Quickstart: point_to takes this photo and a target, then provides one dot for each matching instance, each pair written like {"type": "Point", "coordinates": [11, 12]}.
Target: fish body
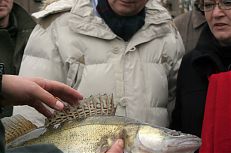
{"type": "Point", "coordinates": [96, 133]}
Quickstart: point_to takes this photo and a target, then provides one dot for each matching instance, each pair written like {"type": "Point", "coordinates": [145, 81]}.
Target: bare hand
{"type": "Point", "coordinates": [117, 147]}
{"type": "Point", "coordinates": [35, 92]}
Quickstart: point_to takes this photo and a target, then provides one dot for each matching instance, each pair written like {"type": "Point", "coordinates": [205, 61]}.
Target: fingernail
{"type": "Point", "coordinates": [81, 97]}
{"type": "Point", "coordinates": [59, 105]}
{"type": "Point", "coordinates": [120, 142]}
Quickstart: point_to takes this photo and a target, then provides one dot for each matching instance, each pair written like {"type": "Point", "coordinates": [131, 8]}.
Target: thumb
{"type": "Point", "coordinates": [117, 147]}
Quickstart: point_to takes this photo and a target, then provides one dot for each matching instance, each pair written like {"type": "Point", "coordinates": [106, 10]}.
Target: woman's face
{"type": "Point", "coordinates": [219, 21]}
{"type": "Point", "coordinates": [127, 7]}
{"type": "Point", "coordinates": [5, 8]}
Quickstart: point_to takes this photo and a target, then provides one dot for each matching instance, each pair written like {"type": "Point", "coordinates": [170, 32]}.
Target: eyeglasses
{"type": "Point", "coordinates": [209, 6]}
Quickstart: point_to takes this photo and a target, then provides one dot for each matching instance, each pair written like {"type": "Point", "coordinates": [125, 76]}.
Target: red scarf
{"type": "Point", "coordinates": [216, 130]}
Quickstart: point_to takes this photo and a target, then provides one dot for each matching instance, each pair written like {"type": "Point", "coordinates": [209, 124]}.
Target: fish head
{"type": "Point", "coordinates": [161, 140]}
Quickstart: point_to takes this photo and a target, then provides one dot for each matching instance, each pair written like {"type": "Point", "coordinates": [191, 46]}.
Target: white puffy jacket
{"type": "Point", "coordinates": [77, 48]}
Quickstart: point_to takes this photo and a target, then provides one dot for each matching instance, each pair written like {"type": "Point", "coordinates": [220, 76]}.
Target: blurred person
{"type": "Point", "coordinates": [128, 48]}
{"type": "Point", "coordinates": [190, 26]}
{"type": "Point", "coordinates": [15, 28]}
{"type": "Point", "coordinates": [211, 56]}
{"type": "Point", "coordinates": [16, 90]}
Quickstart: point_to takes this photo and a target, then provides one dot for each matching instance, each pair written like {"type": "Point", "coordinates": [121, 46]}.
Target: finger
{"type": "Point", "coordinates": [117, 147]}
{"type": "Point", "coordinates": [61, 90]}
{"type": "Point", "coordinates": [38, 105]}
{"type": "Point", "coordinates": [43, 96]}
{"type": "Point", "coordinates": [64, 92]}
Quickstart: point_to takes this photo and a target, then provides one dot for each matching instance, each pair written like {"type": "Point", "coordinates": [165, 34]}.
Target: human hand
{"type": "Point", "coordinates": [35, 92]}
{"type": "Point", "coordinates": [117, 147]}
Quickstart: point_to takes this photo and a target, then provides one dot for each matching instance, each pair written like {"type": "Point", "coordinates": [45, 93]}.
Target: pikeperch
{"type": "Point", "coordinates": [95, 134]}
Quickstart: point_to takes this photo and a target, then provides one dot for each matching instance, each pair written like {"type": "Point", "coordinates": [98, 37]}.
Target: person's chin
{"type": "Point", "coordinates": [2, 15]}
{"type": "Point", "coordinates": [224, 39]}
{"type": "Point", "coordinates": [126, 12]}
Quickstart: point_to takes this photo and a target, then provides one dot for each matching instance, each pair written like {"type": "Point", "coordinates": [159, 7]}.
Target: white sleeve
{"type": "Point", "coordinates": [179, 52]}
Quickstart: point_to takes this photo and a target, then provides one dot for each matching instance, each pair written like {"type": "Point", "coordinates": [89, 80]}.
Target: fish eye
{"type": "Point", "coordinates": [174, 133]}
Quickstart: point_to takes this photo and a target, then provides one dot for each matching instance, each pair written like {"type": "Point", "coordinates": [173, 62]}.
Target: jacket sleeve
{"type": "Point", "coordinates": [41, 59]}
{"type": "Point", "coordinates": [176, 61]}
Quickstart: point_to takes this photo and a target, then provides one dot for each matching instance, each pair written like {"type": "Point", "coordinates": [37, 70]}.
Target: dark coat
{"type": "Point", "coordinates": [192, 83]}
{"type": "Point", "coordinates": [12, 46]}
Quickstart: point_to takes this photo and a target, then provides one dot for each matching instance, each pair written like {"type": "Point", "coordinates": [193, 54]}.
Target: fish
{"type": "Point", "coordinates": [95, 132]}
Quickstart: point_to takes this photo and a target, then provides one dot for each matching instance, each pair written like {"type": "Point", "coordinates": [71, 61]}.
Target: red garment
{"type": "Point", "coordinates": [216, 129]}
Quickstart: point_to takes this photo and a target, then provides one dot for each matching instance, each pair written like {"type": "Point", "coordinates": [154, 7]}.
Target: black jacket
{"type": "Point", "coordinates": [206, 59]}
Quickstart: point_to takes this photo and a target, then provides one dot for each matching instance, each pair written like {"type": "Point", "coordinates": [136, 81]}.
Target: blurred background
{"type": "Point", "coordinates": [30, 5]}
{"type": "Point", "coordinates": [175, 7]}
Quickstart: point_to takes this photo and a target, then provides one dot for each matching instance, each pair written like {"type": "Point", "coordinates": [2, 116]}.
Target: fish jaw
{"type": "Point", "coordinates": [154, 140]}
{"type": "Point", "coordinates": [185, 143]}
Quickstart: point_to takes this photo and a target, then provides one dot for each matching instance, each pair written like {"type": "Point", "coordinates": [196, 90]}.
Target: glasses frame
{"type": "Point", "coordinates": [220, 5]}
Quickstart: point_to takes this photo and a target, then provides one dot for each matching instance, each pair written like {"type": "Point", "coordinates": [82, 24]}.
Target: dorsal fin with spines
{"type": "Point", "coordinates": [100, 105]}
{"type": "Point", "coordinates": [16, 126]}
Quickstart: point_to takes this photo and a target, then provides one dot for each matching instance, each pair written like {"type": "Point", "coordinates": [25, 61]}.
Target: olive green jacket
{"type": "Point", "coordinates": [11, 50]}
{"type": "Point", "coordinates": [10, 54]}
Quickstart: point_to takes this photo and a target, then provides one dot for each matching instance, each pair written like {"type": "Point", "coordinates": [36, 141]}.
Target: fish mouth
{"type": "Point", "coordinates": [183, 144]}
{"type": "Point", "coordinates": [187, 143]}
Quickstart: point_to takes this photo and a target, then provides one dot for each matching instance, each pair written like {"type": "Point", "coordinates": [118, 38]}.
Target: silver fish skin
{"type": "Point", "coordinates": [97, 134]}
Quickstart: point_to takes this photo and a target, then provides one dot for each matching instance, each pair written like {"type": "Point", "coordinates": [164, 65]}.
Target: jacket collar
{"type": "Point", "coordinates": [25, 25]}
{"type": "Point", "coordinates": [13, 25]}
{"type": "Point", "coordinates": [206, 59]}
{"type": "Point", "coordinates": [198, 19]}
{"type": "Point", "coordinates": [84, 20]}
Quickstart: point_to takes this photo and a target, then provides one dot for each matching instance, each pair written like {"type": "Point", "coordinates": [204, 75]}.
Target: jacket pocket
{"type": "Point", "coordinates": [75, 70]}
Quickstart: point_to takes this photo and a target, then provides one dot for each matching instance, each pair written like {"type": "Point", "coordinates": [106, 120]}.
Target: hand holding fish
{"type": "Point", "coordinates": [117, 147]}
{"type": "Point", "coordinates": [35, 92]}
